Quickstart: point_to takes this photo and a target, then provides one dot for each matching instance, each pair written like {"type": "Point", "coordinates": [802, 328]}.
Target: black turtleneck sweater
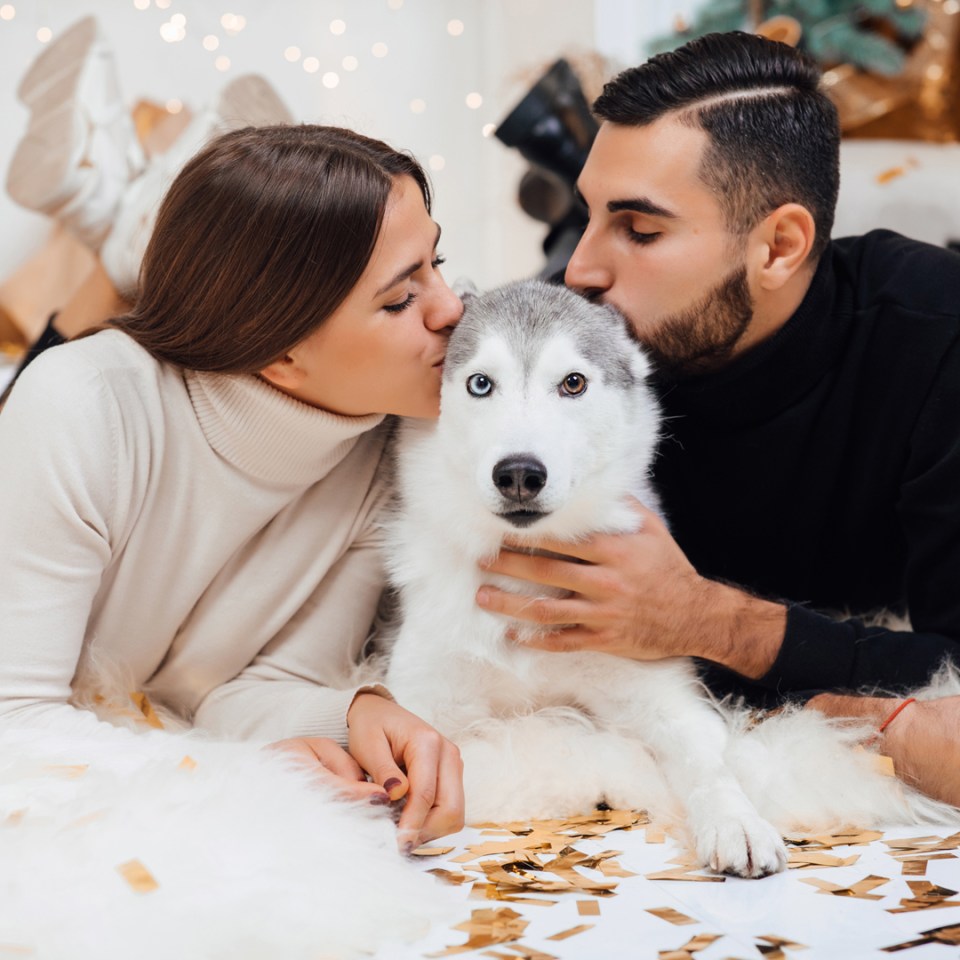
{"type": "Point", "coordinates": [822, 468]}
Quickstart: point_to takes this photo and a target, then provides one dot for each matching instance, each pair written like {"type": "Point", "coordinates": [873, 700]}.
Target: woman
{"type": "Point", "coordinates": [190, 494]}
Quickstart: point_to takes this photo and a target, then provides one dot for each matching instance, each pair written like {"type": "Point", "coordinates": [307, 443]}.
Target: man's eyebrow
{"type": "Point", "coordinates": [640, 205]}
{"type": "Point", "coordinates": [406, 271]}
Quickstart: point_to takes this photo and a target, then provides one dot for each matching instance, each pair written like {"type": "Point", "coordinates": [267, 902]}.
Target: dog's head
{"type": "Point", "coordinates": [546, 419]}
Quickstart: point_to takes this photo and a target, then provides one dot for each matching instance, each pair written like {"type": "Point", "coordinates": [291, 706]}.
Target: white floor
{"type": "Point", "coordinates": [829, 927]}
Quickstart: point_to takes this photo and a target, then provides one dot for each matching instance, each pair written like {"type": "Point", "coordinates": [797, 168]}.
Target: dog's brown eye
{"type": "Point", "coordinates": [573, 385]}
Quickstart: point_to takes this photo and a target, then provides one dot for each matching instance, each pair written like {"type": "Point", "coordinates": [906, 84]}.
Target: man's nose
{"type": "Point", "coordinates": [586, 271]}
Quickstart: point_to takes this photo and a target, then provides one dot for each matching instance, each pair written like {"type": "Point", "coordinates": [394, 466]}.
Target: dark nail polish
{"type": "Point", "coordinates": [391, 783]}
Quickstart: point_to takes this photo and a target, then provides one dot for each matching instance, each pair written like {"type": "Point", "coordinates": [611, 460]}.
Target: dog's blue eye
{"type": "Point", "coordinates": [479, 385]}
{"type": "Point", "coordinates": [573, 384]}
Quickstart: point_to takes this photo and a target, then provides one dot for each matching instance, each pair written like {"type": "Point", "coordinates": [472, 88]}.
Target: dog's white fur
{"type": "Point", "coordinates": [546, 734]}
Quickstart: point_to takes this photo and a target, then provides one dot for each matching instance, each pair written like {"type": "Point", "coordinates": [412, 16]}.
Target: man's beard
{"type": "Point", "coordinates": [702, 337]}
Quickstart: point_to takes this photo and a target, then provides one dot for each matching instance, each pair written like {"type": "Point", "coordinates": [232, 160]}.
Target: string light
{"type": "Point", "coordinates": [311, 64]}
{"type": "Point", "coordinates": [44, 34]}
{"type": "Point", "coordinates": [291, 54]}
{"type": "Point", "coordinates": [418, 105]}
{"type": "Point", "coordinates": [394, 4]}
{"type": "Point", "coordinates": [350, 63]}
{"type": "Point", "coordinates": [330, 80]}
{"type": "Point", "coordinates": [488, 128]}
{"type": "Point", "coordinates": [222, 63]}
{"type": "Point", "coordinates": [210, 42]}
{"type": "Point", "coordinates": [233, 23]}
{"type": "Point", "coordinates": [379, 50]}
{"type": "Point", "coordinates": [337, 27]}
{"type": "Point", "coordinates": [178, 20]}
{"type": "Point", "coordinates": [141, 4]}
{"type": "Point", "coordinates": [7, 11]}
{"type": "Point", "coordinates": [455, 28]}
{"type": "Point", "coordinates": [171, 32]}
{"type": "Point", "coordinates": [437, 162]}
{"type": "Point", "coordinates": [163, 4]}
{"type": "Point", "coordinates": [951, 7]}
{"type": "Point", "coordinates": [474, 101]}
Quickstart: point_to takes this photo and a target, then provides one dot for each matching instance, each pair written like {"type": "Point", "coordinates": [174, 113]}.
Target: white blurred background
{"type": "Point", "coordinates": [432, 76]}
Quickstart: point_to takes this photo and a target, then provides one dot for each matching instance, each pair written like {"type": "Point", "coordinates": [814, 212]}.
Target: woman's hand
{"type": "Point", "coordinates": [332, 764]}
{"type": "Point", "coordinates": [387, 740]}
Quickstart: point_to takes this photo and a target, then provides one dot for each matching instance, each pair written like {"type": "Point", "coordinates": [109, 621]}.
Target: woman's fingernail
{"type": "Point", "coordinates": [391, 784]}
{"type": "Point", "coordinates": [483, 595]}
{"type": "Point", "coordinates": [380, 800]}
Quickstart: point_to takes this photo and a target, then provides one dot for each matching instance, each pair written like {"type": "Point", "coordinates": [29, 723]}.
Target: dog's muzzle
{"type": "Point", "coordinates": [520, 479]}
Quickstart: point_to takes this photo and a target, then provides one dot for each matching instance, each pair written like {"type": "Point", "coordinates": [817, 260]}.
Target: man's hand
{"type": "Point", "coordinates": [387, 740]}
{"type": "Point", "coordinates": [923, 740]}
{"type": "Point", "coordinates": [637, 595]}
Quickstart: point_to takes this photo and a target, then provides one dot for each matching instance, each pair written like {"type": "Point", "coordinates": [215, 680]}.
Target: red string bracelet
{"type": "Point", "coordinates": [886, 723]}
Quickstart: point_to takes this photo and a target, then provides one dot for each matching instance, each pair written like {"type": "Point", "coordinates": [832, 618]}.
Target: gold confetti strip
{"type": "Point", "coordinates": [804, 859]}
{"type": "Point", "coordinates": [490, 891]}
{"type": "Point", "coordinates": [138, 876]}
{"type": "Point", "coordinates": [521, 952]}
{"type": "Point", "coordinates": [948, 934]}
{"type": "Point", "coordinates": [859, 890]}
{"type": "Point", "coordinates": [588, 908]}
{"type": "Point", "coordinates": [486, 928]}
{"type": "Point", "coordinates": [826, 841]}
{"type": "Point", "coordinates": [143, 704]}
{"type": "Point", "coordinates": [780, 942]}
{"type": "Point", "coordinates": [924, 844]}
{"type": "Point", "coordinates": [15, 817]}
{"type": "Point", "coordinates": [681, 873]}
{"type": "Point", "coordinates": [69, 771]}
{"type": "Point", "coordinates": [187, 763]}
{"type": "Point", "coordinates": [86, 819]}
{"type": "Point", "coordinates": [654, 834]}
{"type": "Point", "coordinates": [914, 868]}
{"type": "Point", "coordinates": [697, 943]}
{"type": "Point", "coordinates": [449, 876]}
{"type": "Point", "coordinates": [16, 948]}
{"type": "Point", "coordinates": [572, 932]}
{"type": "Point", "coordinates": [430, 851]}
{"type": "Point", "coordinates": [926, 896]}
{"type": "Point", "coordinates": [671, 915]}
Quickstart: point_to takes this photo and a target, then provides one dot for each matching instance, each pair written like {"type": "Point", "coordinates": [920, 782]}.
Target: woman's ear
{"type": "Point", "coordinates": [785, 240]}
{"type": "Point", "coordinates": [285, 373]}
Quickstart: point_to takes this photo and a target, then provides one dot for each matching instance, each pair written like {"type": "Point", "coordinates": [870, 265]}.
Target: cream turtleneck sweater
{"type": "Point", "coordinates": [206, 535]}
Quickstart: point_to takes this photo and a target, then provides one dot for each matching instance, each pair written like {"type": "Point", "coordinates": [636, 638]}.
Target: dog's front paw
{"type": "Point", "coordinates": [745, 846]}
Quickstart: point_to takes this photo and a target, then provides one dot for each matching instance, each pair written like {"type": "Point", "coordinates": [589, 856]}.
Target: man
{"type": "Point", "coordinates": [811, 393]}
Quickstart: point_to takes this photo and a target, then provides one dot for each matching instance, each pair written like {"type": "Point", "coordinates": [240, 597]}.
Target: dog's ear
{"type": "Point", "coordinates": [465, 288]}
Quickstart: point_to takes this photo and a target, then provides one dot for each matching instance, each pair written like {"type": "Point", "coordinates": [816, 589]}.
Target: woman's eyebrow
{"type": "Point", "coordinates": [406, 271]}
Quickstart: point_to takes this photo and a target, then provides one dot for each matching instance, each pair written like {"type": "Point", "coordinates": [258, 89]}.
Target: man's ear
{"type": "Point", "coordinates": [783, 243]}
{"type": "Point", "coordinates": [285, 373]}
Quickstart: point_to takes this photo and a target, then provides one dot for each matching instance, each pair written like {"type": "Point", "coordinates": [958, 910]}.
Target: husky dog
{"type": "Point", "coordinates": [546, 425]}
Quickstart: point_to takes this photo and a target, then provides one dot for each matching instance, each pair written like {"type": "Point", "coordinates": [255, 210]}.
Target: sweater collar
{"type": "Point", "coordinates": [774, 374]}
{"type": "Point", "coordinates": [267, 433]}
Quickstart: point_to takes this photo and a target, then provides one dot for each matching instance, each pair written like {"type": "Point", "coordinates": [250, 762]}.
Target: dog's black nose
{"type": "Point", "coordinates": [520, 478]}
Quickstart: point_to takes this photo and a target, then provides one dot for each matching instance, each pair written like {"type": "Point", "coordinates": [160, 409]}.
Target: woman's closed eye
{"type": "Point", "coordinates": [411, 297]}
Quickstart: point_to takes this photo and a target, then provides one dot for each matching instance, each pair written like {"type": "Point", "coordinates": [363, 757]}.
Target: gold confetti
{"type": "Point", "coordinates": [926, 896]}
{"type": "Point", "coordinates": [67, 770]}
{"type": "Point", "coordinates": [430, 851]}
{"type": "Point", "coordinates": [572, 932]}
{"type": "Point", "coordinates": [803, 859]}
{"type": "Point", "coordinates": [914, 868]}
{"type": "Point", "coordinates": [697, 943]}
{"type": "Point", "coordinates": [588, 908]}
{"type": "Point", "coordinates": [138, 876]}
{"type": "Point", "coordinates": [187, 763]}
{"type": "Point", "coordinates": [143, 704]}
{"type": "Point", "coordinates": [449, 876]}
{"type": "Point", "coordinates": [654, 834]}
{"type": "Point", "coordinates": [775, 941]}
{"type": "Point", "coordinates": [826, 841]}
{"type": "Point", "coordinates": [948, 934]}
{"type": "Point", "coordinates": [671, 915]}
{"type": "Point", "coordinates": [859, 890]}
{"type": "Point", "coordinates": [15, 817]}
{"type": "Point", "coordinates": [16, 948]}
{"type": "Point", "coordinates": [485, 928]}
{"type": "Point", "coordinates": [682, 873]}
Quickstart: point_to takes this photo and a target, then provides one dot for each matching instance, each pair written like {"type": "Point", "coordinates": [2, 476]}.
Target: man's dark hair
{"type": "Point", "coordinates": [774, 134]}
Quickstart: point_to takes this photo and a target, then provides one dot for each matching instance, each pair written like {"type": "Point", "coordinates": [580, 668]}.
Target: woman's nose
{"type": "Point", "coordinates": [446, 310]}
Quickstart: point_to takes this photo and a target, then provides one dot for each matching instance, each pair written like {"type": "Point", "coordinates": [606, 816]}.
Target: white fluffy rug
{"type": "Point", "coordinates": [251, 859]}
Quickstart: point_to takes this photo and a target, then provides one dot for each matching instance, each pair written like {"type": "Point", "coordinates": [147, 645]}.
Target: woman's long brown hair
{"type": "Point", "coordinates": [259, 239]}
